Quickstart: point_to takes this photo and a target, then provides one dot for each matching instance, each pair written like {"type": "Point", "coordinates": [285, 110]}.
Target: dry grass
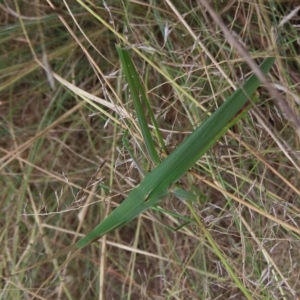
{"type": "Point", "coordinates": [53, 142]}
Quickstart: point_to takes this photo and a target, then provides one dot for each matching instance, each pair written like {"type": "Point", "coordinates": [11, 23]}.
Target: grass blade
{"type": "Point", "coordinates": [218, 252]}
{"type": "Point", "coordinates": [138, 97]}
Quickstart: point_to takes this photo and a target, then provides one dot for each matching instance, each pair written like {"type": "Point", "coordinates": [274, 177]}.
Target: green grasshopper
{"type": "Point", "coordinates": [155, 185]}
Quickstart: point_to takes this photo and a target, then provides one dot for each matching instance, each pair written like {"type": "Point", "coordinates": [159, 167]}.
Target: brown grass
{"type": "Point", "coordinates": [52, 144]}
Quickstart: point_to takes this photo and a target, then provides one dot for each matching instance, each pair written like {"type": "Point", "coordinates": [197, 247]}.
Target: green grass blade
{"type": "Point", "coordinates": [133, 74]}
{"type": "Point", "coordinates": [173, 214]}
{"type": "Point", "coordinates": [156, 183]}
{"type": "Point", "coordinates": [219, 253]}
{"type": "Point", "coordinates": [184, 195]}
{"type": "Point", "coordinates": [138, 97]}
